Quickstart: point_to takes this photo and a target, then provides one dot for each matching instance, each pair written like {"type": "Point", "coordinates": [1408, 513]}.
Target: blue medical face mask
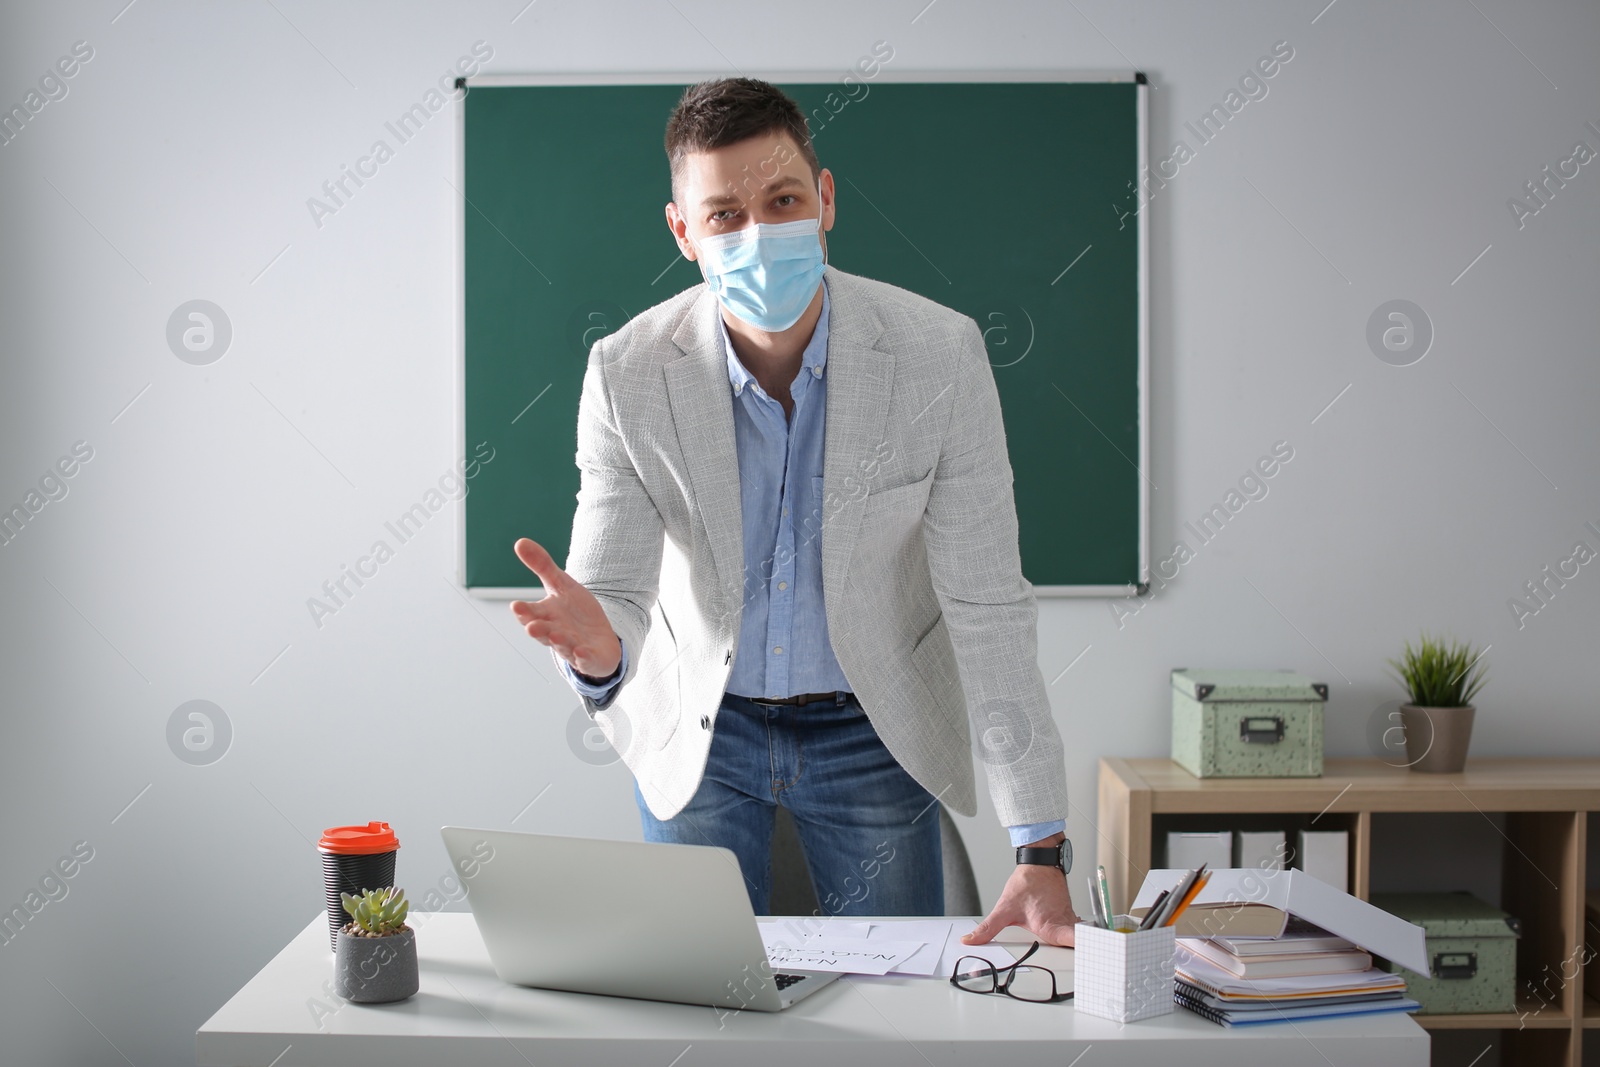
{"type": "Point", "coordinates": [766, 274]}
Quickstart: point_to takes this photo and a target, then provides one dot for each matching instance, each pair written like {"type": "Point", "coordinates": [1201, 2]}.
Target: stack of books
{"type": "Point", "coordinates": [1304, 973]}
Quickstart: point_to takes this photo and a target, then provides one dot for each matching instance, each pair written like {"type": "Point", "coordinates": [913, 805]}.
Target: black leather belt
{"type": "Point", "coordinates": [836, 695]}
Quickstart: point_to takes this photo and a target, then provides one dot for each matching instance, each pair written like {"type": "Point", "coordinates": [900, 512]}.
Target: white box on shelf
{"type": "Point", "coordinates": [1123, 977]}
{"type": "Point", "coordinates": [1262, 849]}
{"type": "Point", "coordinates": [1214, 848]}
{"type": "Point", "coordinates": [1325, 856]}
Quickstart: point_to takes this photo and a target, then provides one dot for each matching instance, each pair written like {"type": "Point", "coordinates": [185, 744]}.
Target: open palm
{"type": "Point", "coordinates": [568, 619]}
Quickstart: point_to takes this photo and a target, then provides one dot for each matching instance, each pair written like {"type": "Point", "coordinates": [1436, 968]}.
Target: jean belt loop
{"type": "Point", "coordinates": [839, 697]}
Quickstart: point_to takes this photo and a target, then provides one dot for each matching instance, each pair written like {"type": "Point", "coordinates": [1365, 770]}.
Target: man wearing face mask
{"type": "Point", "coordinates": [794, 576]}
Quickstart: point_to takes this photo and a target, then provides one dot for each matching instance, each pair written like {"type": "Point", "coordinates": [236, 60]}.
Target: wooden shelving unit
{"type": "Point", "coordinates": [1546, 804]}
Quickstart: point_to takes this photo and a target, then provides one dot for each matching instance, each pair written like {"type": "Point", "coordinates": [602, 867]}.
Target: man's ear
{"type": "Point", "coordinates": [828, 205]}
{"type": "Point", "coordinates": [679, 228]}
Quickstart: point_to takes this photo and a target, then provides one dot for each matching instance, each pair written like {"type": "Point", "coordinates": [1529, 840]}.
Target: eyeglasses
{"type": "Point", "coordinates": [1036, 984]}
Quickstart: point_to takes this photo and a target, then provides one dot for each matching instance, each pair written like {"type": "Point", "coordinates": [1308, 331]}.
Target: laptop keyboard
{"type": "Point", "coordinates": [787, 980]}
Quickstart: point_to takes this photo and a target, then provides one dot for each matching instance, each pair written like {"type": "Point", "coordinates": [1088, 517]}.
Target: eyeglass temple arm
{"type": "Point", "coordinates": [1031, 950]}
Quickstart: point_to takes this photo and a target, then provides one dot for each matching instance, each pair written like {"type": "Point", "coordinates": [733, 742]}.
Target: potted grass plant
{"type": "Point", "coordinates": [375, 961]}
{"type": "Point", "coordinates": [1440, 681]}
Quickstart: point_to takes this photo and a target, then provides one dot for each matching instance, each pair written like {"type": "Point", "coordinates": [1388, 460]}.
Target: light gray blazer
{"type": "Point", "coordinates": [928, 613]}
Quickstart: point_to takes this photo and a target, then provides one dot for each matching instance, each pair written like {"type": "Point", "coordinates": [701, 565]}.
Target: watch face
{"type": "Point", "coordinates": [1066, 856]}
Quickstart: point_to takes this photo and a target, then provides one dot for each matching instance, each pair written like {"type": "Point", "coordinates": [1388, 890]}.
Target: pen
{"type": "Point", "coordinates": [1178, 893]}
{"type": "Point", "coordinates": [1149, 919]}
{"type": "Point", "coordinates": [1094, 903]}
{"type": "Point", "coordinates": [1194, 891]}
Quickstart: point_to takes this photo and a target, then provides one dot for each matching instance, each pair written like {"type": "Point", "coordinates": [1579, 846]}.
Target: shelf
{"type": "Point", "coordinates": [1488, 784]}
{"type": "Point", "coordinates": [1547, 811]}
{"type": "Point", "coordinates": [1528, 1016]}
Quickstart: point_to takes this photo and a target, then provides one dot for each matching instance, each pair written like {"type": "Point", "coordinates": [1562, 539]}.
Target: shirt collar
{"type": "Point", "coordinates": [813, 359]}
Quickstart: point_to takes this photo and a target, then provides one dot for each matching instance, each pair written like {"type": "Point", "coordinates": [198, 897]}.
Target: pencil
{"type": "Point", "coordinates": [1179, 893]}
{"type": "Point", "coordinates": [1194, 891]}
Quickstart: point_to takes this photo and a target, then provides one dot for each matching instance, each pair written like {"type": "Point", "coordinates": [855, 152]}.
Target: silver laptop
{"type": "Point", "coordinates": [624, 918]}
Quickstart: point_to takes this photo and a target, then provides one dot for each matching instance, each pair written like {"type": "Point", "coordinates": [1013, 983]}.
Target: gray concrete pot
{"type": "Point", "coordinates": [375, 970]}
{"type": "Point", "coordinates": [1437, 738]}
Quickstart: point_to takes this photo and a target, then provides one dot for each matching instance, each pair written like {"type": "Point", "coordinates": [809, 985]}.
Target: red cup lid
{"type": "Point", "coordinates": [358, 840]}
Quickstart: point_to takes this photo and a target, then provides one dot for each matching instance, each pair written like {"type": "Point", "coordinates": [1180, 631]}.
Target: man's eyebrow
{"type": "Point", "coordinates": [786, 182]}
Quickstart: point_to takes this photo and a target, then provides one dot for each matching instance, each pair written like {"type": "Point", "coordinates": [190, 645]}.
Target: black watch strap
{"type": "Point", "coordinates": [1059, 856]}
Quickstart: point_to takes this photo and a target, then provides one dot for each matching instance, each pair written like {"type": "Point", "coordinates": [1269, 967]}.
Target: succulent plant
{"type": "Point", "coordinates": [376, 913]}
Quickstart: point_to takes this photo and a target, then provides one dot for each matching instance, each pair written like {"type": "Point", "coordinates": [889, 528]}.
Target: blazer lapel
{"type": "Point", "coordinates": [860, 378]}
{"type": "Point", "coordinates": [702, 415]}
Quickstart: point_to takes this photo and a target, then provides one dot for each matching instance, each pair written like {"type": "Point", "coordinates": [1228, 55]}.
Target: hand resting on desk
{"type": "Point", "coordinates": [1036, 899]}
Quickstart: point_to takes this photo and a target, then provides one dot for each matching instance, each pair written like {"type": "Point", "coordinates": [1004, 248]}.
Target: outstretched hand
{"type": "Point", "coordinates": [568, 619]}
{"type": "Point", "coordinates": [1035, 898]}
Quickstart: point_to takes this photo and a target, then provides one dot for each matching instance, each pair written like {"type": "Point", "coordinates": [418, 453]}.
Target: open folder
{"type": "Point", "coordinates": [1237, 898]}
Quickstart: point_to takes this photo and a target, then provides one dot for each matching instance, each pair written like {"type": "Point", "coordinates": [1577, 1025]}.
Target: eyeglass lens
{"type": "Point", "coordinates": [1031, 983]}
{"type": "Point", "coordinates": [1023, 982]}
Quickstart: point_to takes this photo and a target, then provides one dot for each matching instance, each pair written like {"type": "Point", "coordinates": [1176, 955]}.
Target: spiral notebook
{"type": "Point", "coordinates": [1232, 1018]}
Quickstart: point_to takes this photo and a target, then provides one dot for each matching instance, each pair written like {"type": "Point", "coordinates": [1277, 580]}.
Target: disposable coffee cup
{"type": "Point", "coordinates": [354, 860]}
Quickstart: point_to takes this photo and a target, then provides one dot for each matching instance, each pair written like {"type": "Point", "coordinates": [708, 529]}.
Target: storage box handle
{"type": "Point", "coordinates": [1455, 964]}
{"type": "Point", "coordinates": [1261, 730]}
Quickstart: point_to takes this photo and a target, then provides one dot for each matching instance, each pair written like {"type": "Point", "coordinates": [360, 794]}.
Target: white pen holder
{"type": "Point", "coordinates": [1123, 977]}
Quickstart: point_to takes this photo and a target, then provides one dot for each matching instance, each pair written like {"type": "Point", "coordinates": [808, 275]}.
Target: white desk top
{"type": "Point", "coordinates": [288, 1016]}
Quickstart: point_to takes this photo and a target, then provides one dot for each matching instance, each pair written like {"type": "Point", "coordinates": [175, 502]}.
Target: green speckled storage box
{"type": "Point", "coordinates": [1472, 951]}
{"type": "Point", "coordinates": [1247, 724]}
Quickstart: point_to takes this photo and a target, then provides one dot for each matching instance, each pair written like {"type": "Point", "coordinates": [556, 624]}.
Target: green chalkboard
{"type": "Point", "coordinates": [1012, 201]}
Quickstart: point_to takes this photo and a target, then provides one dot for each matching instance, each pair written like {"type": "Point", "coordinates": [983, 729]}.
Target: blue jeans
{"type": "Point", "coordinates": [870, 831]}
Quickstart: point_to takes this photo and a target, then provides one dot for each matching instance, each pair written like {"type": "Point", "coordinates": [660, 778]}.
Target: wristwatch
{"type": "Point", "coordinates": [1058, 856]}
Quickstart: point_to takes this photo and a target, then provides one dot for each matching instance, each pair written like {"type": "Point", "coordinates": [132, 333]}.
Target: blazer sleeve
{"type": "Point", "coordinates": [970, 529]}
{"type": "Point", "coordinates": [617, 532]}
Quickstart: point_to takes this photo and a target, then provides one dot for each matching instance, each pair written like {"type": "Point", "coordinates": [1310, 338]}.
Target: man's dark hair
{"type": "Point", "coordinates": [726, 111]}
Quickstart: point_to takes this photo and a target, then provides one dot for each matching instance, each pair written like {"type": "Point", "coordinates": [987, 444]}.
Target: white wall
{"type": "Point", "coordinates": [220, 497]}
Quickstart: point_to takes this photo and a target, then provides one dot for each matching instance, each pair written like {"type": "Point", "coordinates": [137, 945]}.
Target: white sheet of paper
{"type": "Point", "coordinates": [954, 949]}
{"type": "Point", "coordinates": [845, 955]}
{"type": "Point", "coordinates": [933, 934]}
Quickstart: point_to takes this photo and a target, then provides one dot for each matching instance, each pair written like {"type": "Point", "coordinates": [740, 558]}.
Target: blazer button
{"type": "Point", "coordinates": [705, 722]}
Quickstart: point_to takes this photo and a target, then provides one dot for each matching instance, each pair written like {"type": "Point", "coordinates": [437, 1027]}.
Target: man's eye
{"type": "Point", "coordinates": [789, 197]}
{"type": "Point", "coordinates": [724, 215]}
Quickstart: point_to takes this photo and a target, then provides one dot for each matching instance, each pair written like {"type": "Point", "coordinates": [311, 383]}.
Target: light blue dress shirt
{"type": "Point", "coordinates": [783, 644]}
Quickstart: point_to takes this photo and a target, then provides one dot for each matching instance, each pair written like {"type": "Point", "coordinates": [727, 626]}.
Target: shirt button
{"type": "Point", "coordinates": [705, 722]}
{"type": "Point", "coordinates": [779, 648]}
{"type": "Point", "coordinates": [783, 585]}
{"type": "Point", "coordinates": [817, 371]}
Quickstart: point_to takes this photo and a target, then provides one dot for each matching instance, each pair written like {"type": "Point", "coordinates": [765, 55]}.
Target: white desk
{"type": "Point", "coordinates": [465, 1016]}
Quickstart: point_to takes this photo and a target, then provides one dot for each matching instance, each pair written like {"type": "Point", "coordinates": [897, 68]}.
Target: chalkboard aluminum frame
{"type": "Point", "coordinates": [1142, 137]}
